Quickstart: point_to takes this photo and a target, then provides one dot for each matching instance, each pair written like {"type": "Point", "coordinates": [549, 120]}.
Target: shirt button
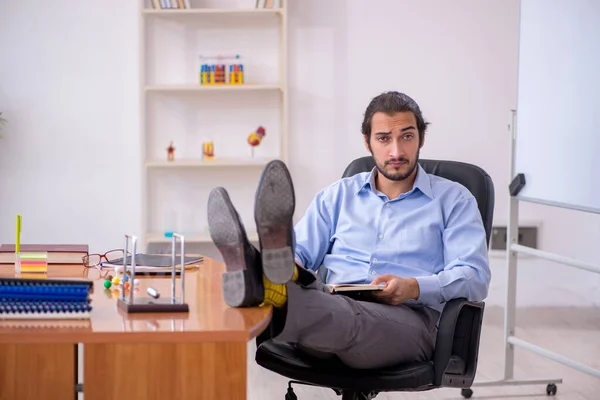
{"type": "Point", "coordinates": [373, 272]}
{"type": "Point", "coordinates": [381, 236]}
{"type": "Point", "coordinates": [387, 204]}
{"type": "Point", "coordinates": [374, 261]}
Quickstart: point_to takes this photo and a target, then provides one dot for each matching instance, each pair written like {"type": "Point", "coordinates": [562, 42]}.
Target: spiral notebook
{"type": "Point", "coordinates": [45, 298]}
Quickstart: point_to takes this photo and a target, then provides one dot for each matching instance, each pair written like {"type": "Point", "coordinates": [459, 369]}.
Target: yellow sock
{"type": "Point", "coordinates": [276, 293]}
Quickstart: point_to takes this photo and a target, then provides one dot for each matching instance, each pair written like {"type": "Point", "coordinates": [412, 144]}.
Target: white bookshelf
{"type": "Point", "coordinates": [198, 238]}
{"type": "Point", "coordinates": [217, 163]}
{"type": "Point", "coordinates": [175, 107]}
{"type": "Point", "coordinates": [209, 11]}
{"type": "Point", "coordinates": [182, 88]}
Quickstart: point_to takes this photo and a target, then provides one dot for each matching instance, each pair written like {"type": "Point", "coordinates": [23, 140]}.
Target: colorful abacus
{"type": "Point", "coordinates": [219, 73]}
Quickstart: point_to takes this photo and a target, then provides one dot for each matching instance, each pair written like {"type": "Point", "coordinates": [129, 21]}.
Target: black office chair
{"type": "Point", "coordinates": [455, 356]}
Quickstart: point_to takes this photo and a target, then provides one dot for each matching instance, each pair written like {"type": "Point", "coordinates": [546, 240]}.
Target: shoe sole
{"type": "Point", "coordinates": [227, 233]}
{"type": "Point", "coordinates": [273, 213]}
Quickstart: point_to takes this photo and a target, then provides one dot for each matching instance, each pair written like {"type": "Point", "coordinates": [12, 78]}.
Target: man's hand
{"type": "Point", "coordinates": [397, 290]}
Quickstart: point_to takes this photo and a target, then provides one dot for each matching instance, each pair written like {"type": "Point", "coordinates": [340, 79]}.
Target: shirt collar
{"type": "Point", "coordinates": [422, 182]}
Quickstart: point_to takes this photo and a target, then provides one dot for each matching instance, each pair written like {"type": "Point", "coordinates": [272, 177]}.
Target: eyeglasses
{"type": "Point", "coordinates": [94, 260]}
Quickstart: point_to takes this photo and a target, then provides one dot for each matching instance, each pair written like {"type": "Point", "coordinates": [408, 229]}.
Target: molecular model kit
{"type": "Point", "coordinates": [120, 280]}
{"type": "Point", "coordinates": [221, 70]}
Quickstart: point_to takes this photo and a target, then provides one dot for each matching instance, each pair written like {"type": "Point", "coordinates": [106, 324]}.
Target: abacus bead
{"type": "Point", "coordinates": [107, 283]}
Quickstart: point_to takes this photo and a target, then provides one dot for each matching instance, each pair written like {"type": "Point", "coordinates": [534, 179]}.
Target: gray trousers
{"type": "Point", "coordinates": [362, 334]}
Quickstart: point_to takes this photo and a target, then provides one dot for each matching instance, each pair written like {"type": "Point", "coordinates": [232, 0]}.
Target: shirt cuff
{"type": "Point", "coordinates": [430, 291]}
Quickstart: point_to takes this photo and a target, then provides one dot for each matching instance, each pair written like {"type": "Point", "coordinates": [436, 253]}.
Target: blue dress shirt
{"type": "Point", "coordinates": [432, 233]}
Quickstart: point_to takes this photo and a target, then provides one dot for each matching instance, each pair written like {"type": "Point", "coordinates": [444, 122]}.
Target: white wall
{"type": "Point", "coordinates": [69, 85]}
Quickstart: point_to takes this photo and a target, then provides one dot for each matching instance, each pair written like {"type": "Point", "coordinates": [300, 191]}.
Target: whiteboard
{"type": "Point", "coordinates": [557, 144]}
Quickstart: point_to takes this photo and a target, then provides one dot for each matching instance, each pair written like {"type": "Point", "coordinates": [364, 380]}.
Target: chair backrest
{"type": "Point", "coordinates": [474, 178]}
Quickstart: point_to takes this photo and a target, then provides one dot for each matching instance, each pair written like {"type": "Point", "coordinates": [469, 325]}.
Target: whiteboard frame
{"type": "Point", "coordinates": [559, 204]}
{"type": "Point", "coordinates": [511, 341]}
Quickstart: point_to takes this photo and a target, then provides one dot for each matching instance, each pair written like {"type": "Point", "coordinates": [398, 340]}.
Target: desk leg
{"type": "Point", "coordinates": [38, 371]}
{"type": "Point", "coordinates": [165, 371]}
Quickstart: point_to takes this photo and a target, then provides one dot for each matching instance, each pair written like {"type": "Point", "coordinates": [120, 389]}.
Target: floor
{"type": "Point", "coordinates": [574, 333]}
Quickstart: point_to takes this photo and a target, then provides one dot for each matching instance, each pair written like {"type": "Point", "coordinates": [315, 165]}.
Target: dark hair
{"type": "Point", "coordinates": [391, 103]}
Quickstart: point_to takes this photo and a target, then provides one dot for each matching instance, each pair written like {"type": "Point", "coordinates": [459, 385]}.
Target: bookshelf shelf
{"type": "Point", "coordinates": [195, 11]}
{"type": "Point", "coordinates": [217, 162]}
{"type": "Point", "coordinates": [197, 238]}
{"type": "Point", "coordinates": [211, 88]}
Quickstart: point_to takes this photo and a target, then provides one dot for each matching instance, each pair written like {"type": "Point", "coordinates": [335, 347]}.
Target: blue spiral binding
{"type": "Point", "coordinates": [24, 296]}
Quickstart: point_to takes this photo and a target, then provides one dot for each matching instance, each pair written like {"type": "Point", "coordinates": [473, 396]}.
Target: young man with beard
{"type": "Point", "coordinates": [419, 235]}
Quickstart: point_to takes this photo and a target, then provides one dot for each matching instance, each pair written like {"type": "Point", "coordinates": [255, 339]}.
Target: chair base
{"type": "Point", "coordinates": [346, 394]}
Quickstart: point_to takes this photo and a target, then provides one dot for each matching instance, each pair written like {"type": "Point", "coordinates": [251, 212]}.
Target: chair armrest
{"type": "Point", "coordinates": [263, 336]}
{"type": "Point", "coordinates": [322, 273]}
{"type": "Point", "coordinates": [457, 344]}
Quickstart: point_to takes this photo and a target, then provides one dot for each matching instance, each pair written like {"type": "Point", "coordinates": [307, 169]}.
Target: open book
{"type": "Point", "coordinates": [354, 287]}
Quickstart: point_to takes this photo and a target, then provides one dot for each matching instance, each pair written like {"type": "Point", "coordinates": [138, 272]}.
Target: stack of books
{"type": "Point", "coordinates": [45, 298]}
{"type": "Point", "coordinates": [57, 253]}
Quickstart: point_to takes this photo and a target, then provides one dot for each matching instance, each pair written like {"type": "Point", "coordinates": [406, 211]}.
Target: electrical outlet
{"type": "Point", "coordinates": [527, 237]}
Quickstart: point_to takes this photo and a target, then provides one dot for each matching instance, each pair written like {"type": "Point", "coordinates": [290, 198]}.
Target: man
{"type": "Point", "coordinates": [419, 235]}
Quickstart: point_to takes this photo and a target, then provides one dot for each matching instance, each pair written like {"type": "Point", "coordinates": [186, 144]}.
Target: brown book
{"type": "Point", "coordinates": [57, 253]}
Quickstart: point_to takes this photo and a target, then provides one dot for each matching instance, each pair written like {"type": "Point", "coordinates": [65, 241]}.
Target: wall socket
{"type": "Point", "coordinates": [528, 236]}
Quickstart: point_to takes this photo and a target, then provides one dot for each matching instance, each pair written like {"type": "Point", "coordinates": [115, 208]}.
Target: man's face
{"type": "Point", "coordinates": [394, 144]}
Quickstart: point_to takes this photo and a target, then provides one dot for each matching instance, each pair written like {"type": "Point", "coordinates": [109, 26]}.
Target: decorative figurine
{"type": "Point", "coordinates": [208, 150]}
{"type": "Point", "coordinates": [255, 138]}
{"type": "Point", "coordinates": [171, 152]}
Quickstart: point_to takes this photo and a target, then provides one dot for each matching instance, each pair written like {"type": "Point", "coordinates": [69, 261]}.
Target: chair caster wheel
{"type": "Point", "coordinates": [466, 393]}
{"type": "Point", "coordinates": [551, 389]}
{"type": "Point", "coordinates": [290, 395]}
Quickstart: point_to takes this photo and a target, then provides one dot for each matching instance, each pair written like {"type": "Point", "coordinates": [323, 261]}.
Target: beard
{"type": "Point", "coordinates": [397, 173]}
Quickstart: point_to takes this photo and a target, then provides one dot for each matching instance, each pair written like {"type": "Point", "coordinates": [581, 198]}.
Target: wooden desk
{"type": "Point", "coordinates": [200, 355]}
